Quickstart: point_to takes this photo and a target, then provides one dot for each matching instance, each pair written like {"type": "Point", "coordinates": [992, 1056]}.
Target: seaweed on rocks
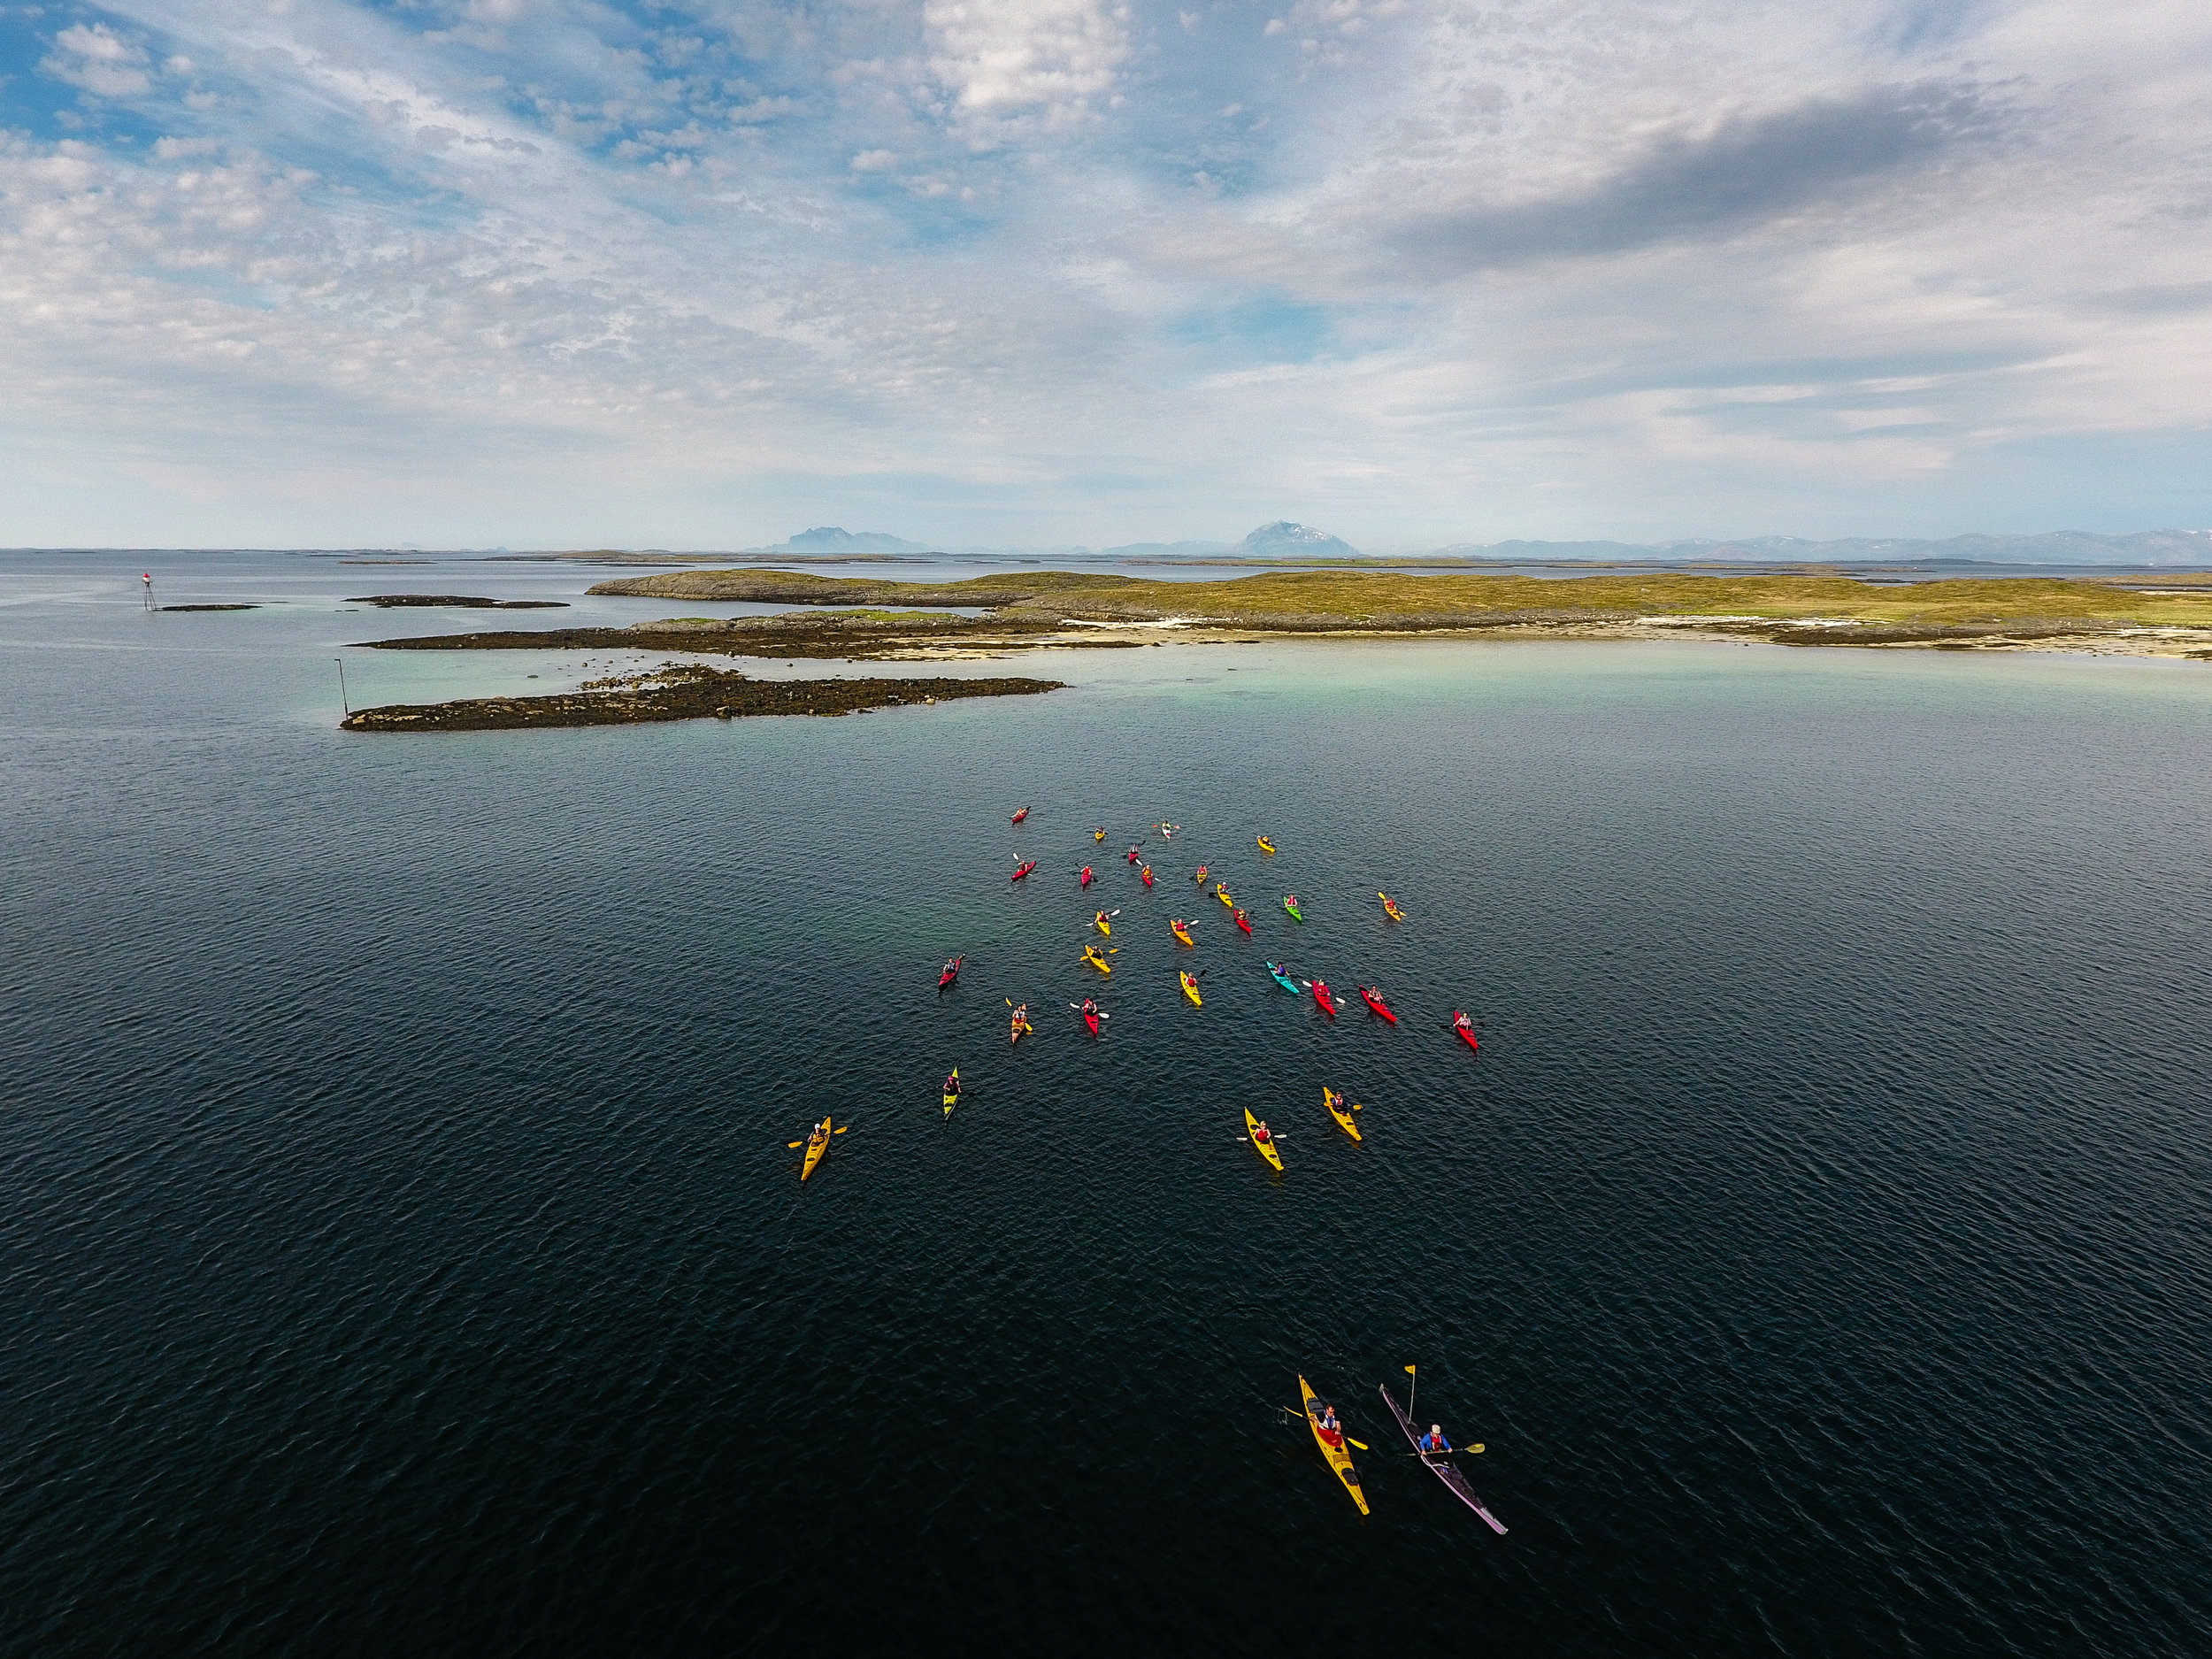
{"type": "Point", "coordinates": [467, 601]}
{"type": "Point", "coordinates": [687, 691]}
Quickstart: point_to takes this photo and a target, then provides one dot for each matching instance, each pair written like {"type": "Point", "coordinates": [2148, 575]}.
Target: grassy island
{"type": "Point", "coordinates": [1041, 607]}
{"type": "Point", "coordinates": [1788, 609]}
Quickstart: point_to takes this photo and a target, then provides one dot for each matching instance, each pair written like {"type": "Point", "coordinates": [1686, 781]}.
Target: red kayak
{"type": "Point", "coordinates": [1370, 995]}
{"type": "Point", "coordinates": [1147, 873]}
{"type": "Point", "coordinates": [1133, 855]}
{"type": "Point", "coordinates": [1086, 875]}
{"type": "Point", "coordinates": [1321, 996]}
{"type": "Point", "coordinates": [1090, 1018]}
{"type": "Point", "coordinates": [1024, 870]}
{"type": "Point", "coordinates": [1460, 1023]}
{"type": "Point", "coordinates": [1019, 815]}
{"type": "Point", "coordinates": [1242, 920]}
{"type": "Point", "coordinates": [951, 972]}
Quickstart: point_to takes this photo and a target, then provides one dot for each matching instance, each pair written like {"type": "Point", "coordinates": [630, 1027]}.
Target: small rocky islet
{"type": "Point", "coordinates": [682, 691]}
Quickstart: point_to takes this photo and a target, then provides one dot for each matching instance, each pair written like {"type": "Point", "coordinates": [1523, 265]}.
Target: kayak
{"type": "Point", "coordinates": [1098, 835]}
{"type": "Point", "coordinates": [1322, 996]}
{"type": "Point", "coordinates": [1265, 1149]}
{"type": "Point", "coordinates": [1182, 932]}
{"type": "Point", "coordinates": [1091, 955]}
{"type": "Point", "coordinates": [951, 972]}
{"type": "Point", "coordinates": [1024, 870]}
{"type": "Point", "coordinates": [1335, 1102]}
{"type": "Point", "coordinates": [1373, 997]}
{"type": "Point", "coordinates": [815, 1145]}
{"type": "Point", "coordinates": [1267, 846]}
{"type": "Point", "coordinates": [1190, 990]}
{"type": "Point", "coordinates": [1132, 853]}
{"type": "Point", "coordinates": [1147, 873]}
{"type": "Point", "coordinates": [1099, 922]}
{"type": "Point", "coordinates": [1090, 1018]}
{"type": "Point", "coordinates": [1242, 920]}
{"type": "Point", "coordinates": [1290, 904]}
{"type": "Point", "coordinates": [1021, 1024]}
{"type": "Point", "coordinates": [1440, 1465]}
{"type": "Point", "coordinates": [1222, 893]}
{"type": "Point", "coordinates": [1466, 1033]}
{"type": "Point", "coordinates": [1019, 815]}
{"type": "Point", "coordinates": [1203, 872]}
{"type": "Point", "coordinates": [1281, 978]}
{"type": "Point", "coordinates": [1332, 1444]}
{"type": "Point", "coordinates": [1390, 908]}
{"type": "Point", "coordinates": [1086, 878]}
{"type": "Point", "coordinates": [952, 1091]}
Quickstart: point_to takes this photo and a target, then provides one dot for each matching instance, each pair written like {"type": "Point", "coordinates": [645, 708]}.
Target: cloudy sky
{"type": "Point", "coordinates": [702, 273]}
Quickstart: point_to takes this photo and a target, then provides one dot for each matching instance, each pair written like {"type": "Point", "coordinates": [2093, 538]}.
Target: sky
{"type": "Point", "coordinates": [1033, 272]}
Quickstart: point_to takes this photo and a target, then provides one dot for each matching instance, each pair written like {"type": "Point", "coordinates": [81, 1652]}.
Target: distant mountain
{"type": "Point", "coordinates": [831, 540]}
{"type": "Point", "coordinates": [1284, 540]}
{"type": "Point", "coordinates": [2057, 547]}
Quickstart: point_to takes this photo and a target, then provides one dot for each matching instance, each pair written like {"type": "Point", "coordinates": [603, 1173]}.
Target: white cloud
{"type": "Point", "coordinates": [98, 60]}
{"type": "Point", "coordinates": [1051, 60]}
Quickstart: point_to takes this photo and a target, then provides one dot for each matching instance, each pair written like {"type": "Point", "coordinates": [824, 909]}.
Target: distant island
{"type": "Point", "coordinates": [1286, 542]}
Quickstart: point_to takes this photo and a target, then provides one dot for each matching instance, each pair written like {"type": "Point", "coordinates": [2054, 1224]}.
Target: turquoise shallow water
{"type": "Point", "coordinates": [404, 1252]}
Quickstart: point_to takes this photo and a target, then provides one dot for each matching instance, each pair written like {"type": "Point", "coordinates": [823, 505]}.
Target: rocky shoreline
{"type": "Point", "coordinates": [680, 692]}
{"type": "Point", "coordinates": [845, 635]}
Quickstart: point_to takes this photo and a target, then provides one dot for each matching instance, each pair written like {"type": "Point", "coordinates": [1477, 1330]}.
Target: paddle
{"type": "Point", "coordinates": [1078, 1007]}
{"type": "Point", "coordinates": [796, 1145]}
{"type": "Point", "coordinates": [1453, 1453]}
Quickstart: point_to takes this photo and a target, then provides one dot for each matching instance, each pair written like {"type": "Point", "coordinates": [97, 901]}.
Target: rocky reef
{"type": "Point", "coordinates": [685, 691]}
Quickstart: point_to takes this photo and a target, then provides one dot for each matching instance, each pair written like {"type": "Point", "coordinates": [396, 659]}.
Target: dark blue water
{"type": "Point", "coordinates": [402, 1253]}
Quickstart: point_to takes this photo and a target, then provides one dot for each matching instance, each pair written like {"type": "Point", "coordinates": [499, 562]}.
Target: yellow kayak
{"type": "Point", "coordinates": [816, 1146]}
{"type": "Point", "coordinates": [1020, 1026]}
{"type": "Point", "coordinates": [1267, 846]}
{"type": "Point", "coordinates": [1099, 922]}
{"type": "Point", "coordinates": [1335, 1102]}
{"type": "Point", "coordinates": [1182, 932]}
{"type": "Point", "coordinates": [1098, 835]}
{"type": "Point", "coordinates": [1390, 908]}
{"type": "Point", "coordinates": [1190, 990]}
{"type": "Point", "coordinates": [1340, 1460]}
{"type": "Point", "coordinates": [1222, 893]}
{"type": "Point", "coordinates": [1091, 955]}
{"type": "Point", "coordinates": [952, 1098]}
{"type": "Point", "coordinates": [1265, 1149]}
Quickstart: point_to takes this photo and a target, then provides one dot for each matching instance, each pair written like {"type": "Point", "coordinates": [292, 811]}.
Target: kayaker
{"type": "Point", "coordinates": [1462, 1023]}
{"type": "Point", "coordinates": [952, 1085]}
{"type": "Point", "coordinates": [1434, 1440]}
{"type": "Point", "coordinates": [1329, 1425]}
{"type": "Point", "coordinates": [1260, 1134]}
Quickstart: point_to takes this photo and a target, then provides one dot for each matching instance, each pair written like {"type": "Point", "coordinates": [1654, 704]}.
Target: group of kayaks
{"type": "Point", "coordinates": [1435, 1451]}
{"type": "Point", "coordinates": [1184, 931]}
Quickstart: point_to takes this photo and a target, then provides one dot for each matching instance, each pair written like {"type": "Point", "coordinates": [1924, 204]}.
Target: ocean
{"type": "Point", "coordinates": [405, 1254]}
